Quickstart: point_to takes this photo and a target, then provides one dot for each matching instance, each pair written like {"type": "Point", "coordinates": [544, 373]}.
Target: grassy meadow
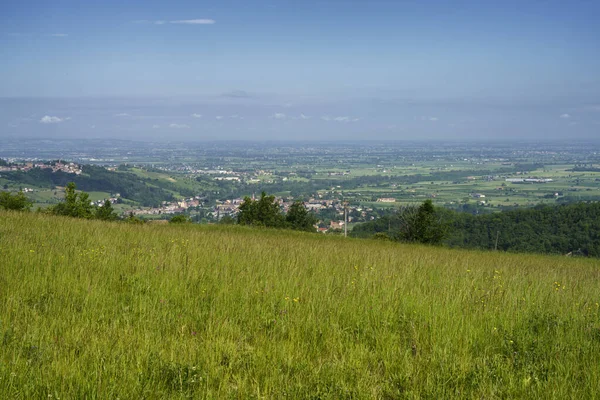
{"type": "Point", "coordinates": [99, 310]}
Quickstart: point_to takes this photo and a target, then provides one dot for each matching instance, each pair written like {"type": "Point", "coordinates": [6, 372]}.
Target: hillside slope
{"type": "Point", "coordinates": [94, 178]}
{"type": "Point", "coordinates": [105, 310]}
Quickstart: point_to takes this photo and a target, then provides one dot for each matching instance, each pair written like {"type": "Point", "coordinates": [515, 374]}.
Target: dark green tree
{"type": "Point", "coordinates": [179, 219]}
{"type": "Point", "coordinates": [106, 212]}
{"type": "Point", "coordinates": [422, 225]}
{"type": "Point", "coordinates": [262, 212]}
{"type": "Point", "coordinates": [75, 204]}
{"type": "Point", "coordinates": [16, 202]}
{"type": "Point", "coordinates": [299, 218]}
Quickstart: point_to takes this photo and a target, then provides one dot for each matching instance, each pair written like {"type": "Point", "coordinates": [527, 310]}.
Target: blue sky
{"type": "Point", "coordinates": [377, 69]}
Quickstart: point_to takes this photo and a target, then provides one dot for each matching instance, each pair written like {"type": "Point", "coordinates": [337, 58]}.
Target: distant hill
{"type": "Point", "coordinates": [143, 191]}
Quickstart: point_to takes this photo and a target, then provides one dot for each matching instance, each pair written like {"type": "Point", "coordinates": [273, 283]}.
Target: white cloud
{"type": "Point", "coordinates": [195, 115]}
{"type": "Point", "coordinates": [194, 21]}
{"type": "Point", "coordinates": [433, 119]}
{"type": "Point", "coordinates": [344, 119]}
{"type": "Point", "coordinates": [59, 34]}
{"type": "Point", "coordinates": [278, 116]}
{"type": "Point", "coordinates": [235, 116]}
{"type": "Point", "coordinates": [219, 117]}
{"type": "Point", "coordinates": [47, 119]}
{"type": "Point", "coordinates": [155, 126]}
{"type": "Point", "coordinates": [122, 115]}
{"type": "Point", "coordinates": [565, 116]}
{"type": "Point", "coordinates": [302, 116]}
{"type": "Point", "coordinates": [179, 126]}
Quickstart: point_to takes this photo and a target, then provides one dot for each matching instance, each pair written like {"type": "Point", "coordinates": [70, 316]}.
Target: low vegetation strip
{"type": "Point", "coordinates": [94, 309]}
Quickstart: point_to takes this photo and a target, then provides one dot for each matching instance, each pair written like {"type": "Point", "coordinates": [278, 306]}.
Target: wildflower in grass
{"type": "Point", "coordinates": [297, 299]}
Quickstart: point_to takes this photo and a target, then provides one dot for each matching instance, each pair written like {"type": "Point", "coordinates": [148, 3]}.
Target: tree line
{"type": "Point", "coordinates": [572, 228]}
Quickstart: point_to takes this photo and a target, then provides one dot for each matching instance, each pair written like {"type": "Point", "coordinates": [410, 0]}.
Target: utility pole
{"type": "Point", "coordinates": [496, 246]}
{"type": "Point", "coordinates": [345, 219]}
{"type": "Point", "coordinates": [345, 204]}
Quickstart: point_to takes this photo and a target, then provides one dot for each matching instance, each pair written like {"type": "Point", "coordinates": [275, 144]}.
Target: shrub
{"type": "Point", "coordinates": [179, 219]}
{"type": "Point", "coordinates": [17, 202]}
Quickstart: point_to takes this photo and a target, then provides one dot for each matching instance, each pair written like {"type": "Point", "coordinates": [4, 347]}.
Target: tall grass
{"type": "Point", "coordinates": [110, 310]}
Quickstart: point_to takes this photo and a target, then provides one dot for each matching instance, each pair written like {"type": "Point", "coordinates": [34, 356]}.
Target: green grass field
{"type": "Point", "coordinates": [110, 310]}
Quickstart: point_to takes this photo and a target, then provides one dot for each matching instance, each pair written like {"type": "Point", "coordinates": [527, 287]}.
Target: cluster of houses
{"type": "Point", "coordinates": [70, 168]}
{"type": "Point", "coordinates": [171, 207]}
{"type": "Point", "coordinates": [99, 203]}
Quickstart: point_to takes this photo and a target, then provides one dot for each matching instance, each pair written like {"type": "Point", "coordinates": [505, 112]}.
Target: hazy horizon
{"type": "Point", "coordinates": [304, 71]}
